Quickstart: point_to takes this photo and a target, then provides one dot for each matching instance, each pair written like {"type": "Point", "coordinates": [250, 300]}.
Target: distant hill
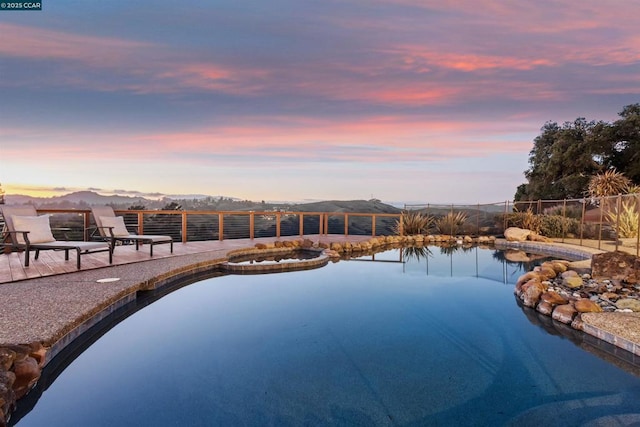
{"type": "Point", "coordinates": [82, 198]}
{"type": "Point", "coordinates": [85, 199]}
{"type": "Point", "coordinates": [363, 206]}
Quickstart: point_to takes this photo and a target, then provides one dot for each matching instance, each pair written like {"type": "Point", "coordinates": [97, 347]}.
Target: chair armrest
{"type": "Point", "coordinates": [25, 236]}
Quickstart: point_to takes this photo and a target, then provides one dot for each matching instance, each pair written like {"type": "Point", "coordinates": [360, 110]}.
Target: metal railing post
{"type": "Point", "coordinates": [618, 212]}
{"type": "Point", "coordinates": [564, 219]}
{"type": "Point", "coordinates": [584, 208]}
{"type": "Point", "coordinates": [638, 229]}
{"type": "Point", "coordinates": [600, 224]}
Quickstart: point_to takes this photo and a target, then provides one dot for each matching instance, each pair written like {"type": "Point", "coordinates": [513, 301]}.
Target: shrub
{"type": "Point", "coordinates": [609, 183]}
{"type": "Point", "coordinates": [626, 219]}
{"type": "Point", "coordinates": [527, 220]}
{"type": "Point", "coordinates": [558, 226]}
{"type": "Point", "coordinates": [414, 222]}
{"type": "Point", "coordinates": [450, 223]}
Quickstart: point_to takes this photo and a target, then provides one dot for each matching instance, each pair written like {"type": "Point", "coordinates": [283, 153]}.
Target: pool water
{"type": "Point", "coordinates": [435, 340]}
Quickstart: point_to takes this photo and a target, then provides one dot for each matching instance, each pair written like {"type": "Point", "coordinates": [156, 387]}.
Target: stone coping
{"type": "Point", "coordinates": [555, 249]}
{"type": "Point", "coordinates": [318, 260]}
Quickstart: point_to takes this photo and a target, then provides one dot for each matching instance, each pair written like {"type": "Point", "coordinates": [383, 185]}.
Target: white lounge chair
{"type": "Point", "coordinates": [112, 228]}
{"type": "Point", "coordinates": [27, 230]}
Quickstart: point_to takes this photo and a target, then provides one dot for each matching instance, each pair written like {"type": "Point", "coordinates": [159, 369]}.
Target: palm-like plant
{"type": "Point", "coordinates": [450, 223]}
{"type": "Point", "coordinates": [633, 189]}
{"type": "Point", "coordinates": [625, 219]}
{"type": "Point", "coordinates": [413, 223]}
{"type": "Point", "coordinates": [608, 183]}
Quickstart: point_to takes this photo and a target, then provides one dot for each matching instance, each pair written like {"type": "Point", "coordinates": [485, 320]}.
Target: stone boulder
{"type": "Point", "coordinates": [587, 306]}
{"type": "Point", "coordinates": [515, 234]}
{"type": "Point", "coordinates": [573, 282]}
{"type": "Point", "coordinates": [564, 313]}
{"type": "Point", "coordinates": [553, 298]}
{"type": "Point", "coordinates": [629, 304]}
{"type": "Point", "coordinates": [616, 266]}
{"type": "Point", "coordinates": [531, 293]}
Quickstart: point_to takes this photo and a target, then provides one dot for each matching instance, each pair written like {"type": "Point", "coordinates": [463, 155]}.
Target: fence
{"type": "Point", "coordinates": [191, 226]}
{"type": "Point", "coordinates": [608, 223]}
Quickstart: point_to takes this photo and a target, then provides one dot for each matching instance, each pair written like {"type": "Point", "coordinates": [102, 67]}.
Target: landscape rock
{"type": "Point", "coordinates": [515, 234]}
{"type": "Point", "coordinates": [574, 282]}
{"type": "Point", "coordinates": [564, 313]}
{"type": "Point", "coordinates": [545, 308]}
{"type": "Point", "coordinates": [587, 306]}
{"type": "Point", "coordinates": [617, 265]}
{"type": "Point", "coordinates": [553, 298]}
{"type": "Point", "coordinates": [531, 292]}
{"type": "Point", "coordinates": [629, 303]}
{"type": "Point", "coordinates": [535, 237]}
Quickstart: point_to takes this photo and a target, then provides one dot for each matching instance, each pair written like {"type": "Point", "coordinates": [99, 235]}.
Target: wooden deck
{"type": "Point", "coordinates": [51, 262]}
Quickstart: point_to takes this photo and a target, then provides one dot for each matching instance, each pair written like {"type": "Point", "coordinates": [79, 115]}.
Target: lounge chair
{"type": "Point", "coordinates": [28, 230]}
{"type": "Point", "coordinates": [112, 228]}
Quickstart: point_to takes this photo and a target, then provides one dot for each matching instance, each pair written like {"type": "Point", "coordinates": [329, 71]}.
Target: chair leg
{"type": "Point", "coordinates": [37, 253]}
{"type": "Point", "coordinates": [171, 246]}
{"type": "Point", "coordinates": [66, 254]}
{"type": "Point", "coordinates": [77, 257]}
{"type": "Point", "coordinates": [110, 256]}
{"type": "Point", "coordinates": [151, 250]}
{"type": "Point", "coordinates": [26, 256]}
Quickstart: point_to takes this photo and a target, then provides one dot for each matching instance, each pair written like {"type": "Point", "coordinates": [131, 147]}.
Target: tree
{"type": "Point", "coordinates": [564, 158]}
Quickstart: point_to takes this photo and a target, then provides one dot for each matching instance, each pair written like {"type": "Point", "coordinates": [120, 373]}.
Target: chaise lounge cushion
{"type": "Point", "coordinates": [117, 222]}
{"type": "Point", "coordinates": [37, 226]}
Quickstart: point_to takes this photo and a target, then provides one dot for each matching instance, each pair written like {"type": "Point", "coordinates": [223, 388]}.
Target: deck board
{"type": "Point", "coordinates": [52, 262]}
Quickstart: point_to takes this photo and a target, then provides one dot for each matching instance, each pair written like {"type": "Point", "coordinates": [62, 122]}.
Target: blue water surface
{"type": "Point", "coordinates": [438, 340]}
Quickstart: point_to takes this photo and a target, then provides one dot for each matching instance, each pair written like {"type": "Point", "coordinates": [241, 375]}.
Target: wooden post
{"type": "Point", "coordinates": [85, 220]}
{"type": "Point", "coordinates": [252, 224]}
{"type": "Point", "coordinates": [220, 227]}
{"type": "Point", "coordinates": [346, 224]}
{"type": "Point", "coordinates": [301, 224]}
{"type": "Point", "coordinates": [184, 227]}
{"type": "Point", "coordinates": [278, 225]}
{"type": "Point", "coordinates": [478, 221]}
{"type": "Point", "coordinates": [140, 222]}
{"type": "Point", "coordinates": [373, 225]}
{"type": "Point", "coordinates": [326, 224]}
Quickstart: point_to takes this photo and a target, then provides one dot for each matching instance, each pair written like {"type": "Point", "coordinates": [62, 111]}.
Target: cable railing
{"type": "Point", "coordinates": [607, 223]}
{"type": "Point", "coordinates": [193, 226]}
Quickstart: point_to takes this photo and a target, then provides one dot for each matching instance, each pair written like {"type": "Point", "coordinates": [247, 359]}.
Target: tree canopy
{"type": "Point", "coordinates": [564, 158]}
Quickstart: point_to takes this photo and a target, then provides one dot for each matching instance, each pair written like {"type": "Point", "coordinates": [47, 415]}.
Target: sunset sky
{"type": "Point", "coordinates": [401, 100]}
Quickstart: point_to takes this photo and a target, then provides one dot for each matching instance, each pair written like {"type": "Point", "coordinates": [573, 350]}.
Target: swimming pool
{"type": "Point", "coordinates": [388, 339]}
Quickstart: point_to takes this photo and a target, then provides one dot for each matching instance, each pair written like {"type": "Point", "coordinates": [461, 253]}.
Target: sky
{"type": "Point", "coordinates": [414, 101]}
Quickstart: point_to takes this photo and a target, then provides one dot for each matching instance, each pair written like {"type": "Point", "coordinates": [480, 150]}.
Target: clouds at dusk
{"type": "Point", "coordinates": [405, 100]}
